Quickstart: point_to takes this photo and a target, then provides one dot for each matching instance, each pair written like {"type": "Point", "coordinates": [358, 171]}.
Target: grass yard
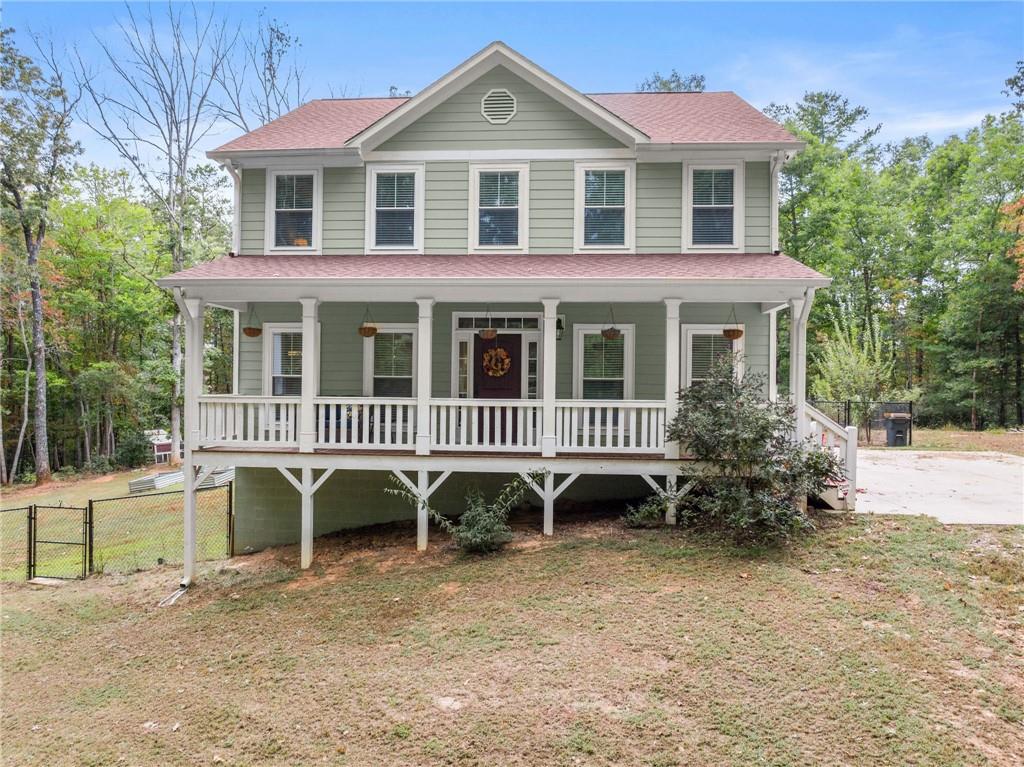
{"type": "Point", "coordinates": [881, 642]}
{"type": "Point", "coordinates": [950, 439]}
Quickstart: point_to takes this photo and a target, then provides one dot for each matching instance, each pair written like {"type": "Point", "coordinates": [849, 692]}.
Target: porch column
{"type": "Point", "coordinates": [424, 354]}
{"type": "Point", "coordinates": [773, 353]}
{"type": "Point", "coordinates": [310, 375]}
{"type": "Point", "coordinates": [306, 535]}
{"type": "Point", "coordinates": [799, 309]}
{"type": "Point", "coordinates": [193, 315]}
{"type": "Point", "coordinates": [672, 356]}
{"type": "Point", "coordinates": [548, 439]}
{"type": "Point", "coordinates": [423, 492]}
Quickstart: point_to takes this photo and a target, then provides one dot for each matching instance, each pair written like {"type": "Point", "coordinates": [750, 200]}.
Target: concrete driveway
{"type": "Point", "coordinates": [954, 487]}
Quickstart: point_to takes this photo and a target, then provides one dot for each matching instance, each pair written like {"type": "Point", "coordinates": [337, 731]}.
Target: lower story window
{"type": "Point", "coordinates": [286, 372]}
{"type": "Point", "coordinates": [705, 344]}
{"type": "Point", "coordinates": [393, 362]}
{"type": "Point", "coordinates": [603, 365]}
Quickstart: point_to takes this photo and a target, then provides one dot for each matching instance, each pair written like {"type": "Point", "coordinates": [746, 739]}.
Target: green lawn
{"type": "Point", "coordinates": [881, 641]}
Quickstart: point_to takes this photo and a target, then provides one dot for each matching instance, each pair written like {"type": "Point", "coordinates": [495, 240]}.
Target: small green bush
{"type": "Point", "coordinates": [756, 477]}
{"type": "Point", "coordinates": [483, 527]}
{"type": "Point", "coordinates": [133, 450]}
{"type": "Point", "coordinates": [99, 464]}
{"type": "Point", "coordinates": [650, 513]}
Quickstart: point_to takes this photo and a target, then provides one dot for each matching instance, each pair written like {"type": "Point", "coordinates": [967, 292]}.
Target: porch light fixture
{"type": "Point", "coordinates": [252, 327]}
{"type": "Point", "coordinates": [732, 330]}
{"type": "Point", "coordinates": [610, 332]}
{"type": "Point", "coordinates": [368, 328]}
{"type": "Point", "coordinates": [559, 328]}
{"type": "Point", "coordinates": [490, 332]}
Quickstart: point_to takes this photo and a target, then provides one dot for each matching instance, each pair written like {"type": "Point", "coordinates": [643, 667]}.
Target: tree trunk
{"type": "Point", "coordinates": [176, 360]}
{"type": "Point", "coordinates": [85, 433]}
{"type": "Point", "coordinates": [39, 364]}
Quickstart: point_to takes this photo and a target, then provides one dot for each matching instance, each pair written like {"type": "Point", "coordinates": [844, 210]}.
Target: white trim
{"type": "Point", "coordinates": [269, 328]}
{"type": "Point", "coordinates": [495, 54]}
{"type": "Point", "coordinates": [523, 169]}
{"type": "Point", "coordinates": [368, 348]}
{"type": "Point", "coordinates": [370, 216]}
{"type": "Point", "coordinates": [579, 200]}
{"type": "Point", "coordinates": [629, 354]}
{"type": "Point", "coordinates": [235, 348]}
{"type": "Point", "coordinates": [494, 120]}
{"type": "Point", "coordinates": [688, 330]}
{"type": "Point", "coordinates": [738, 199]}
{"type": "Point", "coordinates": [271, 212]}
{"type": "Point", "coordinates": [498, 155]}
{"type": "Point", "coordinates": [469, 334]}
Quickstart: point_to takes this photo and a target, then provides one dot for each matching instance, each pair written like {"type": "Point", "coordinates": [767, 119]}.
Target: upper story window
{"type": "Point", "coordinates": [499, 196]}
{"type": "Point", "coordinates": [604, 206]}
{"type": "Point", "coordinates": [293, 210]}
{"type": "Point", "coordinates": [395, 208]}
{"type": "Point", "coordinates": [714, 200]}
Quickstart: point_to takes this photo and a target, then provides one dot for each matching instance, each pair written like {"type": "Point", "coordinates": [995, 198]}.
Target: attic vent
{"type": "Point", "coordinates": [498, 106]}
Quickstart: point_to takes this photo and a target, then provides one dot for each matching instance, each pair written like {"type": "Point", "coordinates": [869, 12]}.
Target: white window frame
{"type": "Point", "coordinates": [368, 348]}
{"type": "Point", "coordinates": [579, 194]}
{"type": "Point", "coordinates": [523, 169]}
{"type": "Point", "coordinates": [469, 334]}
{"type": "Point", "coordinates": [738, 205]}
{"type": "Point", "coordinates": [629, 352]}
{"type": "Point", "coordinates": [688, 331]}
{"type": "Point", "coordinates": [370, 234]}
{"type": "Point", "coordinates": [314, 248]}
{"type": "Point", "coordinates": [269, 329]}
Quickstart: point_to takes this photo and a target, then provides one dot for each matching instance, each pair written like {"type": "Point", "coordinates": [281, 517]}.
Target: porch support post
{"type": "Point", "coordinates": [424, 338]}
{"type": "Point", "coordinates": [306, 537]}
{"type": "Point", "coordinates": [193, 315]}
{"type": "Point", "coordinates": [548, 439]}
{"type": "Point", "coordinates": [549, 503]}
{"type": "Point", "coordinates": [670, 499]}
{"type": "Point", "coordinates": [773, 353]}
{"type": "Point", "coordinates": [422, 490]}
{"type": "Point", "coordinates": [672, 357]}
{"type": "Point", "coordinates": [310, 376]}
{"type": "Point", "coordinates": [800, 309]}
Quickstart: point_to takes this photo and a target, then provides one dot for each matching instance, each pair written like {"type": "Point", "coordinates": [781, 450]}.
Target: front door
{"type": "Point", "coordinates": [497, 375]}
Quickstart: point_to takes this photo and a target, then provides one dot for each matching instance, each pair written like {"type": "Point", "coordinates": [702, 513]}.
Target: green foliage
{"type": "Point", "coordinates": [482, 527]}
{"type": "Point", "coordinates": [673, 83]}
{"type": "Point", "coordinates": [133, 450]}
{"type": "Point", "coordinates": [650, 513]}
{"type": "Point", "coordinates": [756, 477]}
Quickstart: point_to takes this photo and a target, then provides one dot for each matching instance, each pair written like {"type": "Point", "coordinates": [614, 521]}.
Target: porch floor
{"type": "Point", "coordinates": [445, 453]}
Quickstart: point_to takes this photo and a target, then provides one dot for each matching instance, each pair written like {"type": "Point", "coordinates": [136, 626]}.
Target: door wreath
{"type": "Point", "coordinates": [497, 362]}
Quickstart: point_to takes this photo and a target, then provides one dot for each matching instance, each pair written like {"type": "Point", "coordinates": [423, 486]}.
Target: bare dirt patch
{"type": "Point", "coordinates": [881, 641]}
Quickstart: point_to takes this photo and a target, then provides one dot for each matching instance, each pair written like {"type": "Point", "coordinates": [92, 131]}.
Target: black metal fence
{"type": "Point", "coordinates": [868, 417]}
{"type": "Point", "coordinates": [123, 534]}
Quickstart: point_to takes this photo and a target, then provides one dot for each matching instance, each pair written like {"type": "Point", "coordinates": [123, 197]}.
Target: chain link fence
{"type": "Point", "coordinates": [868, 417]}
{"type": "Point", "coordinates": [112, 535]}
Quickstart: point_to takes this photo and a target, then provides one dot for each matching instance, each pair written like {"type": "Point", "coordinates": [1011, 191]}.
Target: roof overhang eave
{"type": "Point", "coordinates": [259, 154]}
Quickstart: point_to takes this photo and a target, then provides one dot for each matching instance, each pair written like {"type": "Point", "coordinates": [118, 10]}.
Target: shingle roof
{"type": "Point", "coordinates": [672, 118]}
{"type": "Point", "coordinates": [588, 266]}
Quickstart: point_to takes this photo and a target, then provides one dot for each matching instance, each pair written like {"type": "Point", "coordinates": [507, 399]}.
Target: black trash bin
{"type": "Point", "coordinates": [896, 427]}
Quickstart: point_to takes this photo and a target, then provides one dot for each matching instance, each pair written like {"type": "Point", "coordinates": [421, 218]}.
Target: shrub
{"type": "Point", "coordinates": [133, 449]}
{"type": "Point", "coordinates": [99, 464]}
{"type": "Point", "coordinates": [650, 513]}
{"type": "Point", "coordinates": [483, 527]}
{"type": "Point", "coordinates": [755, 477]}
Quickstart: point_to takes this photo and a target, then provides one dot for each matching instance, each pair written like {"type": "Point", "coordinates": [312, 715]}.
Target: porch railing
{"type": "Point", "coordinates": [227, 420]}
{"type": "Point", "coordinates": [610, 427]}
{"type": "Point", "coordinates": [364, 422]}
{"type": "Point", "coordinates": [827, 434]}
{"type": "Point", "coordinates": [494, 425]}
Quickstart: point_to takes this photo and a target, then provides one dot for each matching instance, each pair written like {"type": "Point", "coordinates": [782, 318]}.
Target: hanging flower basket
{"type": "Point", "coordinates": [368, 328]}
{"type": "Point", "coordinates": [488, 334]}
{"type": "Point", "coordinates": [252, 332]}
{"type": "Point", "coordinates": [611, 334]}
{"type": "Point", "coordinates": [733, 334]}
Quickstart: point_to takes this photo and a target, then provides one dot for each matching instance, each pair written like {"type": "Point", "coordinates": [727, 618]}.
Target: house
{"type": "Point", "coordinates": [497, 275]}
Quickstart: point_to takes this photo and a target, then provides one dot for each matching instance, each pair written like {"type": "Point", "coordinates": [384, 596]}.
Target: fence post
{"type": "Point", "coordinates": [89, 527]}
{"type": "Point", "coordinates": [29, 544]}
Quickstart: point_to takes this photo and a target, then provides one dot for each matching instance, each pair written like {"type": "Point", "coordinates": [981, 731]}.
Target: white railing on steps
{"type": "Point", "coordinates": [827, 434]}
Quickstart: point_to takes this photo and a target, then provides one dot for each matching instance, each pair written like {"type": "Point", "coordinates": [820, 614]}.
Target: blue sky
{"type": "Point", "coordinates": [933, 68]}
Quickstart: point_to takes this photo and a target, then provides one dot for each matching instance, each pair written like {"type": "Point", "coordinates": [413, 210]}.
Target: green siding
{"type": "Point", "coordinates": [659, 205]}
{"type": "Point", "coordinates": [446, 224]}
{"type": "Point", "coordinates": [344, 210]}
{"type": "Point", "coordinates": [757, 202]}
{"type": "Point", "coordinates": [341, 348]}
{"type": "Point", "coordinates": [551, 206]}
{"type": "Point", "coordinates": [540, 122]}
{"type": "Point", "coordinates": [253, 212]}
